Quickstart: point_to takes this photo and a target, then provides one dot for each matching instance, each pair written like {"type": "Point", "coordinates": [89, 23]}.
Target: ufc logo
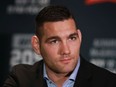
{"type": "Point", "coordinates": [89, 2]}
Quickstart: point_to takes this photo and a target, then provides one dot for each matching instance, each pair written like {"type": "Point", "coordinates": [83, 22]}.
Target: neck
{"type": "Point", "coordinates": [57, 78]}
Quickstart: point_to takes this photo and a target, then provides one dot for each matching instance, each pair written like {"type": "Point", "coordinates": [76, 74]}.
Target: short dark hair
{"type": "Point", "coordinates": [51, 14]}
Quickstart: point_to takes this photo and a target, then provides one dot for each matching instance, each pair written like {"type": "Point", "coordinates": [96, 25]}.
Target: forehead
{"type": "Point", "coordinates": [59, 28]}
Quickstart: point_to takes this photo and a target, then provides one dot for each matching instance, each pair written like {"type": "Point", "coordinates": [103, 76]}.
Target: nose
{"type": "Point", "coordinates": [65, 48]}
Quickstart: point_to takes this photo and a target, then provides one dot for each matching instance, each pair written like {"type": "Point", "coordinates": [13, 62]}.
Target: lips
{"type": "Point", "coordinates": [65, 60]}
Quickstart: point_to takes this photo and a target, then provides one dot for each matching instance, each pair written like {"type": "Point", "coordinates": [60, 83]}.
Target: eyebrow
{"type": "Point", "coordinates": [73, 34]}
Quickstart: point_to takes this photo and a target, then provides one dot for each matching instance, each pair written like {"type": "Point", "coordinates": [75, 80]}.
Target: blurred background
{"type": "Point", "coordinates": [95, 18]}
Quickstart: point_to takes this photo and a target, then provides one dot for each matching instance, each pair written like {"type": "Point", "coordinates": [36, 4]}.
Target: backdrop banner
{"type": "Point", "coordinates": [95, 18]}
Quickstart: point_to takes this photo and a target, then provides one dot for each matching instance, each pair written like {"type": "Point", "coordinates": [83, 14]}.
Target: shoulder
{"type": "Point", "coordinates": [23, 75]}
{"type": "Point", "coordinates": [24, 68]}
{"type": "Point", "coordinates": [94, 75]}
{"type": "Point", "coordinates": [97, 71]}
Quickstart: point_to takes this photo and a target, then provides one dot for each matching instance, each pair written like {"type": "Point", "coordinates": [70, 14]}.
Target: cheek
{"type": "Point", "coordinates": [49, 56]}
{"type": "Point", "coordinates": [75, 46]}
{"type": "Point", "coordinates": [75, 49]}
{"type": "Point", "coordinates": [48, 52]}
{"type": "Point", "coordinates": [51, 49]}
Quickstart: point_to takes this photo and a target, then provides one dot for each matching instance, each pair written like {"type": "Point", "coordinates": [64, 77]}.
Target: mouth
{"type": "Point", "coordinates": [66, 60]}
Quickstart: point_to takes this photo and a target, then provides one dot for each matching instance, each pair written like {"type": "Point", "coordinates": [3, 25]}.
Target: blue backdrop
{"type": "Point", "coordinates": [96, 20]}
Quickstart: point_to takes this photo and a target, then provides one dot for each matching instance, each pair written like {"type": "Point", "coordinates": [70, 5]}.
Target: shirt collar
{"type": "Point", "coordinates": [72, 76]}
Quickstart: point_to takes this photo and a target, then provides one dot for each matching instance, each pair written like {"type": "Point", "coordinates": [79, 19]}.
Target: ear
{"type": "Point", "coordinates": [79, 34]}
{"type": "Point", "coordinates": [35, 44]}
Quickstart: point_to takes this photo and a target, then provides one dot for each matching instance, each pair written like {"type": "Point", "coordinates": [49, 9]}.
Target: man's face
{"type": "Point", "coordinates": [60, 46]}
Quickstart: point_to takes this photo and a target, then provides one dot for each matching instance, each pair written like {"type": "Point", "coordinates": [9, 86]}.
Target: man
{"type": "Point", "coordinates": [58, 41]}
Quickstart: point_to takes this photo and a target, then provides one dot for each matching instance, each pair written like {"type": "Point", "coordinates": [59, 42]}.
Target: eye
{"type": "Point", "coordinates": [53, 41]}
{"type": "Point", "coordinates": [73, 38]}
